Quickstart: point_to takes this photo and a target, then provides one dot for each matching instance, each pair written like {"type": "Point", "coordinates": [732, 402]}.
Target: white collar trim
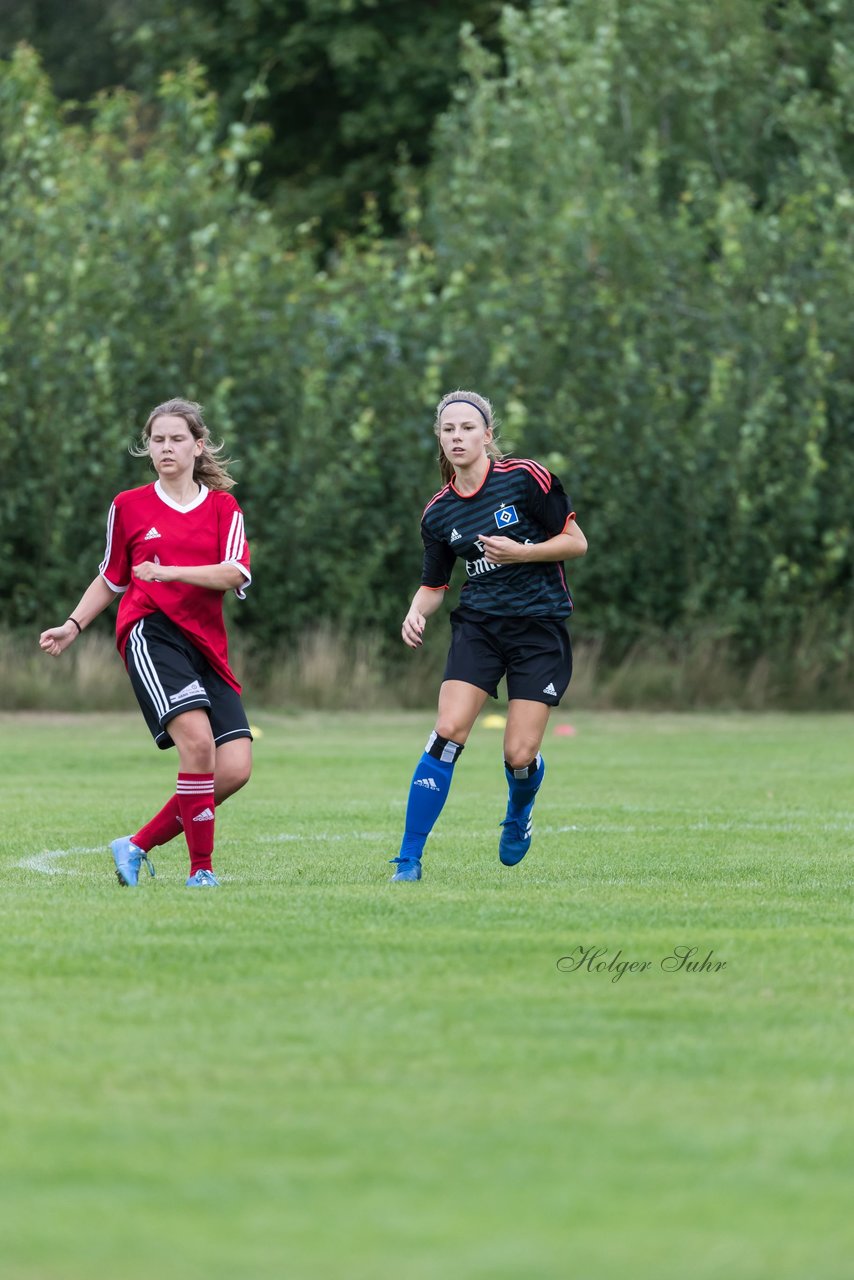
{"type": "Point", "coordinates": [176, 506]}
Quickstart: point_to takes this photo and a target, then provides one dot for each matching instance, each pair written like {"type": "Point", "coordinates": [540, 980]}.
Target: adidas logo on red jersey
{"type": "Point", "coordinates": [152, 533]}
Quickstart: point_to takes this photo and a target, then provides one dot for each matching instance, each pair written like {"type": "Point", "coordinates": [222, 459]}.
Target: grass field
{"type": "Point", "coordinates": [311, 1072]}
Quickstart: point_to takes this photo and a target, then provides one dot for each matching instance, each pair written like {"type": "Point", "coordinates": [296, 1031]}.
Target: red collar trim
{"type": "Point", "coordinates": [475, 492]}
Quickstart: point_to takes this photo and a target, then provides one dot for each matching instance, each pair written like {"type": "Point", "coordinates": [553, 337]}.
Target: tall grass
{"type": "Point", "coordinates": [328, 669]}
{"type": "Point", "coordinates": [705, 672]}
{"type": "Point", "coordinates": [88, 677]}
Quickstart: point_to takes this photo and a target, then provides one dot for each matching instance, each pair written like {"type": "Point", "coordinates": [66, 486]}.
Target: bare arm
{"type": "Point", "coordinates": [568, 545]}
{"type": "Point", "coordinates": [424, 603]}
{"type": "Point", "coordinates": [94, 600]}
{"type": "Point", "coordinates": [217, 577]}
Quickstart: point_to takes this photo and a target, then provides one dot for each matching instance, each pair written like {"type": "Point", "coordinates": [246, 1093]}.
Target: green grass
{"type": "Point", "coordinates": [314, 1073]}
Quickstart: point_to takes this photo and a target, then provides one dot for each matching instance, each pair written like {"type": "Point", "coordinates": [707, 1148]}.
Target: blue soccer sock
{"type": "Point", "coordinates": [524, 783]}
{"type": "Point", "coordinates": [428, 792]}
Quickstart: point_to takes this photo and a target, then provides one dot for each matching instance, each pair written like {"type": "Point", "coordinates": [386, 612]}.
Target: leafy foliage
{"type": "Point", "coordinates": [637, 236]}
{"type": "Point", "coordinates": [661, 302]}
{"type": "Point", "coordinates": [136, 268]}
{"type": "Point", "coordinates": [343, 84]}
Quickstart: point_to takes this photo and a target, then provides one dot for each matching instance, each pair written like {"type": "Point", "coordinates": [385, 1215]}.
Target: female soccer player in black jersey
{"type": "Point", "coordinates": [510, 522]}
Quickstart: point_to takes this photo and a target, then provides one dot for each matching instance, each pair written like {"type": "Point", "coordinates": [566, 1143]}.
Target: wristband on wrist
{"type": "Point", "coordinates": [77, 625]}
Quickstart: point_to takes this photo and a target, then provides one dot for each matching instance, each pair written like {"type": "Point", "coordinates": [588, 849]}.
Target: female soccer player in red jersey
{"type": "Point", "coordinates": [173, 549]}
{"type": "Point", "coordinates": [510, 522]}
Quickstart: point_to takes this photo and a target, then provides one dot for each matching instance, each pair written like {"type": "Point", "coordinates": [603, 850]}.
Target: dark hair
{"type": "Point", "coordinates": [207, 469]}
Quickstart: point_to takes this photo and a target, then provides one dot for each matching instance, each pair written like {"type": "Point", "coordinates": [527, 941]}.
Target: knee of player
{"type": "Point", "coordinates": [240, 774]}
{"type": "Point", "coordinates": [519, 755]}
{"type": "Point", "coordinates": [452, 730]}
{"type": "Point", "coordinates": [197, 752]}
{"type": "Point", "coordinates": [231, 776]}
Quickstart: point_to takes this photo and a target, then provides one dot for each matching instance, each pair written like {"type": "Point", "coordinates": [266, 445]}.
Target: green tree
{"type": "Point", "coordinates": [122, 252]}
{"type": "Point", "coordinates": [659, 305]}
{"type": "Point", "coordinates": [343, 84]}
{"type": "Point", "coordinates": [76, 42]}
{"type": "Point", "coordinates": [135, 267]}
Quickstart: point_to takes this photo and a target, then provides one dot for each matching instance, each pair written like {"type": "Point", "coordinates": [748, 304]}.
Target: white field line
{"type": "Point", "coordinates": [371, 837]}
{"type": "Point", "coordinates": [46, 862]}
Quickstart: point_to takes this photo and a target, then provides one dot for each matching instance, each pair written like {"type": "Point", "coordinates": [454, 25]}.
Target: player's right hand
{"type": "Point", "coordinates": [412, 630]}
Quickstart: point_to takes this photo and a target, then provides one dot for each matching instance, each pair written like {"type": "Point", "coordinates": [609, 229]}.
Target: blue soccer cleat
{"type": "Point", "coordinates": [202, 879]}
{"type": "Point", "coordinates": [516, 835]}
{"type": "Point", "coordinates": [129, 858]}
{"type": "Point", "coordinates": [407, 868]}
{"type": "Point", "coordinates": [518, 824]}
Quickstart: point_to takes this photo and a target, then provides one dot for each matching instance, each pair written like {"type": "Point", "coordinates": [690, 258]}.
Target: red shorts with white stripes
{"type": "Point", "coordinates": [170, 676]}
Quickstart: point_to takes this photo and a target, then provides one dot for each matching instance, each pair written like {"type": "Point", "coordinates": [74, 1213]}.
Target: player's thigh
{"type": "Point", "coordinates": [476, 654]}
{"type": "Point", "coordinates": [162, 668]}
{"type": "Point", "coordinates": [229, 723]}
{"type": "Point", "coordinates": [524, 731]}
{"type": "Point", "coordinates": [539, 660]}
{"type": "Point", "coordinates": [460, 704]}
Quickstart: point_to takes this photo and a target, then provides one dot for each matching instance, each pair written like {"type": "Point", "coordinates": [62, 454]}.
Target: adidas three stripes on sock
{"type": "Point", "coordinates": [428, 792]}
{"type": "Point", "coordinates": [198, 814]}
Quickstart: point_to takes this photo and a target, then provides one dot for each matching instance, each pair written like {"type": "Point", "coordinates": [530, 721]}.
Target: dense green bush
{"type": "Point", "coordinates": [344, 84]}
{"type": "Point", "coordinates": [637, 236]}
{"type": "Point", "coordinates": [136, 269]}
{"type": "Point", "coordinates": [120, 251]}
{"type": "Point", "coordinates": [646, 226]}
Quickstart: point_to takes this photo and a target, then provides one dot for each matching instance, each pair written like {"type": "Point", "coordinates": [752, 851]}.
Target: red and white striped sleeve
{"type": "Point", "coordinates": [115, 568]}
{"type": "Point", "coordinates": [234, 549]}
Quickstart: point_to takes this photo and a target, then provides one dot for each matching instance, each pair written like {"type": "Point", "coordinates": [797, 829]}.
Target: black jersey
{"type": "Point", "coordinates": [518, 499]}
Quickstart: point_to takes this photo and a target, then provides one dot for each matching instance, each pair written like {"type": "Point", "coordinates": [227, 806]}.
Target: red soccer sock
{"type": "Point", "coordinates": [197, 804]}
{"type": "Point", "coordinates": [162, 828]}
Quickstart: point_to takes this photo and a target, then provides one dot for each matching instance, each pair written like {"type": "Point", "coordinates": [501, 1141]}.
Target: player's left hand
{"type": "Point", "coordinates": [148, 571]}
{"type": "Point", "coordinates": [500, 550]}
{"type": "Point", "coordinates": [57, 639]}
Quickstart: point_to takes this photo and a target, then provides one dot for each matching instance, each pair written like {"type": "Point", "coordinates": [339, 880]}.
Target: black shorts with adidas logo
{"type": "Point", "coordinates": [170, 676]}
{"type": "Point", "coordinates": [535, 654]}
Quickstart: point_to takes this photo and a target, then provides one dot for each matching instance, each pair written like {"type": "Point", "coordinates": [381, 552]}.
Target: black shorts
{"type": "Point", "coordinates": [170, 676]}
{"type": "Point", "coordinates": [534, 653]}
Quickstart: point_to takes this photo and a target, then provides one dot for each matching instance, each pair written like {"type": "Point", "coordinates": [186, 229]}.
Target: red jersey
{"type": "Point", "coordinates": [145, 524]}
